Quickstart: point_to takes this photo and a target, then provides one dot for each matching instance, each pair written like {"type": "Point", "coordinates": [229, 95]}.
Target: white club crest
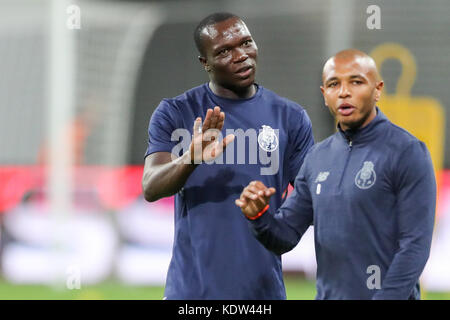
{"type": "Point", "coordinates": [365, 178]}
{"type": "Point", "coordinates": [322, 176]}
{"type": "Point", "coordinates": [267, 139]}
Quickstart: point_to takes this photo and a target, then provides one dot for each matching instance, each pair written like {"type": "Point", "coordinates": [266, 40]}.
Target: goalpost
{"type": "Point", "coordinates": [75, 84]}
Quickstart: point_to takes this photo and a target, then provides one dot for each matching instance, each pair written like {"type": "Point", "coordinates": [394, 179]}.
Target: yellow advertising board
{"type": "Point", "coordinates": [421, 116]}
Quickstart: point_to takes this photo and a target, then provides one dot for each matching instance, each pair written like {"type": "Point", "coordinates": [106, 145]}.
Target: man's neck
{"type": "Point", "coordinates": [365, 123]}
{"type": "Point", "coordinates": [223, 92]}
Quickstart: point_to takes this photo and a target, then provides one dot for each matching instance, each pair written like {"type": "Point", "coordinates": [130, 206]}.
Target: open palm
{"type": "Point", "coordinates": [206, 144]}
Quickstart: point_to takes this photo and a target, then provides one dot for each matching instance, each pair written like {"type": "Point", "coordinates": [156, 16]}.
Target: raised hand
{"type": "Point", "coordinates": [205, 145]}
{"type": "Point", "coordinates": [254, 198]}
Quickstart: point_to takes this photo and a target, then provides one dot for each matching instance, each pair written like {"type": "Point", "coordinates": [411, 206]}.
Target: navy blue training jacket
{"type": "Point", "coordinates": [371, 196]}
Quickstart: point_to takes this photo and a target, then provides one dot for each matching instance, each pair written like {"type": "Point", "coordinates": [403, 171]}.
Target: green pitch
{"type": "Point", "coordinates": [297, 289]}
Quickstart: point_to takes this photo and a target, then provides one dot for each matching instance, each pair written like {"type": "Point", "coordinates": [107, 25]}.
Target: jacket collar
{"type": "Point", "coordinates": [366, 134]}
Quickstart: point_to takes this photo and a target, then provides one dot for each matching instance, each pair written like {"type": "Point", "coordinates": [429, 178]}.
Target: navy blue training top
{"type": "Point", "coordinates": [214, 255]}
{"type": "Point", "coordinates": [371, 195]}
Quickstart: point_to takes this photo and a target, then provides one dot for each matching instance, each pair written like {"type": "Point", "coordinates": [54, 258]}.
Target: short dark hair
{"type": "Point", "coordinates": [210, 20]}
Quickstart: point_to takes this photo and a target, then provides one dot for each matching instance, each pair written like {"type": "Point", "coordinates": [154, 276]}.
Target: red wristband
{"type": "Point", "coordinates": [259, 213]}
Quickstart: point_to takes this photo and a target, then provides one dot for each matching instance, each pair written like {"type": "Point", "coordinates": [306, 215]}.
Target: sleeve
{"type": "Point", "coordinates": [280, 232]}
{"type": "Point", "coordinates": [415, 187]}
{"type": "Point", "coordinates": [302, 141]}
{"type": "Point", "coordinates": [163, 122]}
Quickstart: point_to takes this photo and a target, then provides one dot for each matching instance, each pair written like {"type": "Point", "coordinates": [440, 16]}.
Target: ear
{"type": "Point", "coordinates": [323, 94]}
{"type": "Point", "coordinates": [379, 88]}
{"type": "Point", "coordinates": [205, 64]}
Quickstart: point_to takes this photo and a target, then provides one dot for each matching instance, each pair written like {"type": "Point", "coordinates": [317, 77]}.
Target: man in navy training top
{"type": "Point", "coordinates": [369, 190]}
{"type": "Point", "coordinates": [266, 138]}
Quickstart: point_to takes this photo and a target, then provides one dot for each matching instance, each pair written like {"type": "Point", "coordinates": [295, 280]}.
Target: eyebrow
{"type": "Point", "coordinates": [228, 46]}
{"type": "Point", "coordinates": [220, 48]}
{"type": "Point", "coordinates": [331, 79]}
{"type": "Point", "coordinates": [353, 76]}
{"type": "Point", "coordinates": [356, 76]}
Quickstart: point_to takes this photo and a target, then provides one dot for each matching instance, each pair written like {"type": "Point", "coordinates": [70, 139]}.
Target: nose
{"type": "Point", "coordinates": [240, 55]}
{"type": "Point", "coordinates": [344, 92]}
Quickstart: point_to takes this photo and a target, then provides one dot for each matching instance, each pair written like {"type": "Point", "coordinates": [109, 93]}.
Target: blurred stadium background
{"type": "Point", "coordinates": [75, 105]}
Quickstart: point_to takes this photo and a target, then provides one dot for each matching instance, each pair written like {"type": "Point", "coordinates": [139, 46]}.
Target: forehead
{"type": "Point", "coordinates": [225, 31]}
{"type": "Point", "coordinates": [346, 67]}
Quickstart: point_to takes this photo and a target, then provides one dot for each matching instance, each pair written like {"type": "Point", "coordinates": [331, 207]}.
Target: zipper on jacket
{"type": "Point", "coordinates": [350, 145]}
